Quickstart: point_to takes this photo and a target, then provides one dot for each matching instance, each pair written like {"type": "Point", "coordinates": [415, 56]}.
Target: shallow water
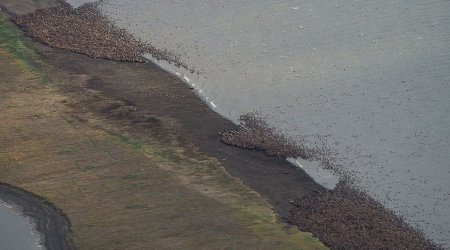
{"type": "Point", "coordinates": [16, 231]}
{"type": "Point", "coordinates": [367, 80]}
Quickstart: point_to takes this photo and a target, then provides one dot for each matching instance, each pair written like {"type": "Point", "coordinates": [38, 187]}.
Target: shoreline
{"type": "Point", "coordinates": [342, 97]}
{"type": "Point", "coordinates": [16, 211]}
{"type": "Point", "coordinates": [202, 131]}
{"type": "Point", "coordinates": [275, 179]}
{"type": "Point", "coordinates": [51, 223]}
{"type": "Point", "coordinates": [112, 166]}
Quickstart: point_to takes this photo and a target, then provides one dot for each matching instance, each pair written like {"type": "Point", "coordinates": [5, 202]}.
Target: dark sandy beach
{"type": "Point", "coordinates": [143, 99]}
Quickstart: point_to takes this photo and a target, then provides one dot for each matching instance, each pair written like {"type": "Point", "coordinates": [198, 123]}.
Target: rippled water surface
{"type": "Point", "coordinates": [368, 80]}
{"type": "Point", "coordinates": [16, 232]}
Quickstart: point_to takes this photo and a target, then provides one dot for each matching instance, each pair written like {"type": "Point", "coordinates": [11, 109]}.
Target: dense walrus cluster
{"type": "Point", "coordinates": [82, 30]}
{"type": "Point", "coordinates": [347, 219]}
{"type": "Point", "coordinates": [342, 218]}
{"type": "Point", "coordinates": [254, 132]}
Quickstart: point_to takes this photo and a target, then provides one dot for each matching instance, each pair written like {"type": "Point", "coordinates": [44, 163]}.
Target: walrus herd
{"type": "Point", "coordinates": [342, 218]}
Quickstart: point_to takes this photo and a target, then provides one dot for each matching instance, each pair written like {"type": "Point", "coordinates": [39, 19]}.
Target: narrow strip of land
{"type": "Point", "coordinates": [124, 177]}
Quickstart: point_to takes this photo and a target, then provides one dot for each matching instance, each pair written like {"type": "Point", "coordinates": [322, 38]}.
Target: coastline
{"type": "Point", "coordinates": [200, 125]}
{"type": "Point", "coordinates": [191, 121]}
{"type": "Point", "coordinates": [346, 82]}
{"type": "Point", "coordinates": [123, 176]}
{"type": "Point", "coordinates": [51, 223]}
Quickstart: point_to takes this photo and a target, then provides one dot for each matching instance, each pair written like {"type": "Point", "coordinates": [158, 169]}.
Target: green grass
{"type": "Point", "coordinates": [203, 173]}
{"type": "Point", "coordinates": [91, 167]}
{"type": "Point", "coordinates": [14, 42]}
{"type": "Point", "coordinates": [135, 206]}
{"type": "Point", "coordinates": [21, 48]}
{"type": "Point", "coordinates": [39, 115]}
{"type": "Point", "coordinates": [66, 151]}
{"type": "Point", "coordinates": [131, 177]}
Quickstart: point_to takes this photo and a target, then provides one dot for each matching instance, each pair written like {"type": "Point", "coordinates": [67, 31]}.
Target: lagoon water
{"type": "Point", "coordinates": [369, 81]}
{"type": "Point", "coordinates": [16, 231]}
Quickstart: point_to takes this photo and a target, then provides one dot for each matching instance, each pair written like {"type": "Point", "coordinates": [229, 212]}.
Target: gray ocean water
{"type": "Point", "coordinates": [16, 231]}
{"type": "Point", "coordinates": [369, 81]}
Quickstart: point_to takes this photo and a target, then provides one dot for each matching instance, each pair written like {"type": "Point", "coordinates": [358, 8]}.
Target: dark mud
{"type": "Point", "coordinates": [51, 222]}
{"type": "Point", "coordinates": [145, 99]}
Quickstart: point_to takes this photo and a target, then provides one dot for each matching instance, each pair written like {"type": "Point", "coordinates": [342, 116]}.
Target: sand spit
{"type": "Point", "coordinates": [343, 219]}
